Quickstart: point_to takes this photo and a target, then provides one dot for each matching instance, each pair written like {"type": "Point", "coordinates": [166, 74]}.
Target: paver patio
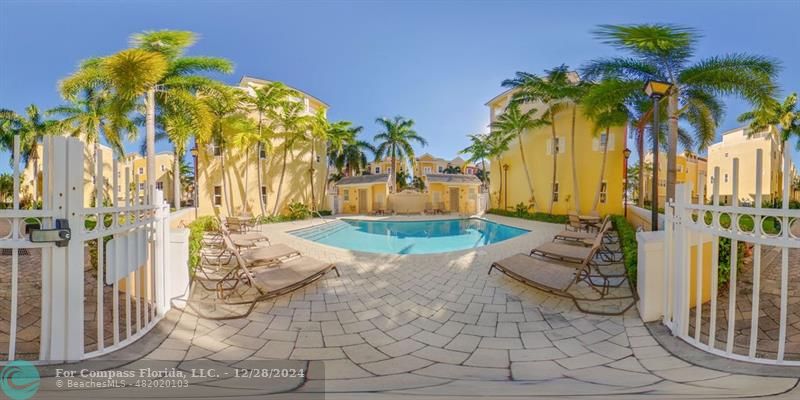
{"type": "Point", "coordinates": [436, 325]}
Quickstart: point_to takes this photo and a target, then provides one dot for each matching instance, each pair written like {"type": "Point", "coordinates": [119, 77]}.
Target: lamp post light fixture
{"type": "Point", "coordinates": [194, 190]}
{"type": "Point", "coordinates": [626, 153]}
{"type": "Point", "coordinates": [656, 90]}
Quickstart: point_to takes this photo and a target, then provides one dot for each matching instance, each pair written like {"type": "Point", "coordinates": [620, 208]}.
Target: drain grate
{"type": "Point", "coordinates": [7, 252]}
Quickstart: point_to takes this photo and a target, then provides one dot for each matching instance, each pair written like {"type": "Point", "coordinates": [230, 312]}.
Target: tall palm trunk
{"type": "Point", "coordinates": [35, 183]}
{"type": "Point", "coordinates": [245, 203]}
{"type": "Point", "coordinates": [531, 200]}
{"type": "Point", "coordinates": [225, 197]}
{"type": "Point", "coordinates": [602, 174]}
{"type": "Point", "coordinates": [324, 193]}
{"type": "Point", "coordinates": [500, 188]}
{"type": "Point", "coordinates": [672, 153]}
{"type": "Point", "coordinates": [394, 171]}
{"type": "Point", "coordinates": [575, 187]}
{"type": "Point", "coordinates": [150, 139]}
{"type": "Point", "coordinates": [176, 180]}
{"type": "Point", "coordinates": [261, 204]}
{"type": "Point", "coordinates": [640, 150]}
{"type": "Point", "coordinates": [280, 182]}
{"type": "Point", "coordinates": [483, 173]}
{"type": "Point", "coordinates": [311, 177]}
{"type": "Point", "coordinates": [555, 161]}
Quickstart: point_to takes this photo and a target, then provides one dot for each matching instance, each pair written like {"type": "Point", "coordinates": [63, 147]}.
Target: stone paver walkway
{"type": "Point", "coordinates": [434, 325]}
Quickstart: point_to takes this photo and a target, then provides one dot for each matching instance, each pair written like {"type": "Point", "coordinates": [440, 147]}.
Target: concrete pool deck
{"type": "Point", "coordinates": [436, 325]}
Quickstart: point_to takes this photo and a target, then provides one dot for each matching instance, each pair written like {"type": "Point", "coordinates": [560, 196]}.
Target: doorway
{"type": "Point", "coordinates": [362, 201]}
{"type": "Point", "coordinates": [454, 199]}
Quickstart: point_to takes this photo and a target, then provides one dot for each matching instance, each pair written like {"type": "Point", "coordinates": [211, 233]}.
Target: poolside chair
{"type": "Point", "coordinates": [255, 285]}
{"type": "Point", "coordinates": [439, 209]}
{"type": "Point", "coordinates": [559, 278]}
{"type": "Point", "coordinates": [597, 254]}
{"type": "Point", "coordinates": [568, 235]}
{"type": "Point", "coordinates": [429, 208]}
{"type": "Point", "coordinates": [574, 223]}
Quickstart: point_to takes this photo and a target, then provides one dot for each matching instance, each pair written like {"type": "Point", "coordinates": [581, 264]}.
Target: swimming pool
{"type": "Point", "coordinates": [409, 237]}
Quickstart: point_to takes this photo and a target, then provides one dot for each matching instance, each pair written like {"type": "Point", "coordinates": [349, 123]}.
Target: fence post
{"type": "Point", "coordinates": [161, 220]}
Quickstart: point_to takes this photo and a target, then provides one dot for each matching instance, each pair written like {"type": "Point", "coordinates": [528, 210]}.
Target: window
{"type": "Point", "coordinates": [94, 180]}
{"type": "Point", "coordinates": [427, 170]}
{"type": "Point", "coordinates": [726, 178]}
{"type": "Point", "coordinates": [217, 150]}
{"type": "Point", "coordinates": [318, 158]}
{"type": "Point", "coordinates": [141, 186]}
{"type": "Point", "coordinates": [440, 169]}
{"type": "Point", "coordinates": [556, 146]}
{"type": "Point", "coordinates": [603, 139]}
{"type": "Point", "coordinates": [712, 180]}
{"type": "Point", "coordinates": [726, 155]}
{"type": "Point", "coordinates": [555, 191]}
{"type": "Point", "coordinates": [264, 194]}
{"type": "Point", "coordinates": [217, 195]}
{"type": "Point", "coordinates": [346, 195]}
{"type": "Point", "coordinates": [160, 185]}
{"type": "Point", "coordinates": [262, 152]}
{"type": "Point", "coordinates": [377, 170]}
{"type": "Point", "coordinates": [603, 192]}
{"type": "Point", "coordinates": [163, 167]}
{"type": "Point", "coordinates": [389, 170]}
{"type": "Point", "coordinates": [141, 171]}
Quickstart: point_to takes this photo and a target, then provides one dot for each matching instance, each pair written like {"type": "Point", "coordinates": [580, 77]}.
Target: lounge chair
{"type": "Point", "coordinates": [574, 223]}
{"type": "Point", "coordinates": [558, 278]}
{"type": "Point", "coordinates": [429, 208]}
{"type": "Point", "coordinates": [279, 278]}
{"type": "Point", "coordinates": [568, 235]}
{"type": "Point", "coordinates": [222, 274]}
{"type": "Point", "coordinates": [595, 255]}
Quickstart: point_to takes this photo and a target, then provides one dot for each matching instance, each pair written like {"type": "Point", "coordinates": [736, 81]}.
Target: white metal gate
{"type": "Point", "coordinates": [688, 227]}
{"type": "Point", "coordinates": [82, 313]}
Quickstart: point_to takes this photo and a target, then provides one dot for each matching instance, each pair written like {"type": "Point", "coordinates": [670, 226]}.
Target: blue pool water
{"type": "Point", "coordinates": [409, 237]}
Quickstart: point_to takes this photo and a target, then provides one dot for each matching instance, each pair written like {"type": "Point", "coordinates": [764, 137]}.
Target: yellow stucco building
{"type": "Point", "coordinates": [691, 168]}
{"type": "Point", "coordinates": [135, 163]}
{"type": "Point", "coordinates": [540, 148]}
{"type": "Point", "coordinates": [242, 192]}
{"type": "Point", "coordinates": [363, 194]}
{"type": "Point", "coordinates": [737, 144]}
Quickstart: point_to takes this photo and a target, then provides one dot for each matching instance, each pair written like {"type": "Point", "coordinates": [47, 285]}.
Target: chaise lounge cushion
{"type": "Point", "coordinates": [266, 255]}
{"type": "Point", "coordinates": [563, 250]}
{"type": "Point", "coordinates": [537, 271]}
{"type": "Point", "coordinates": [289, 273]}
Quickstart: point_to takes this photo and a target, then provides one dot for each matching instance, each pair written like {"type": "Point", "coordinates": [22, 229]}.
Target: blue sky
{"type": "Point", "coordinates": [437, 62]}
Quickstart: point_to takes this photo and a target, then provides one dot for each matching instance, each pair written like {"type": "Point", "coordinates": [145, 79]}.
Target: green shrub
{"type": "Point", "coordinates": [325, 213]}
{"type": "Point", "coordinates": [298, 210]}
{"type": "Point", "coordinates": [536, 216]}
{"type": "Point", "coordinates": [628, 244]}
{"type": "Point", "coordinates": [724, 268]}
{"type": "Point", "coordinates": [197, 229]}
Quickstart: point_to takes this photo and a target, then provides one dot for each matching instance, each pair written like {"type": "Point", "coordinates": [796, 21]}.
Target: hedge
{"type": "Point", "coordinates": [536, 216]}
{"type": "Point", "coordinates": [628, 244]}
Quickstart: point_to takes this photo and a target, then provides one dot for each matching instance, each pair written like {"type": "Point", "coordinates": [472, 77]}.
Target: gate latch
{"type": "Point", "coordinates": [60, 235]}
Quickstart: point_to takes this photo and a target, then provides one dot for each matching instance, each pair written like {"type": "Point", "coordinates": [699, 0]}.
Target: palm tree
{"type": "Point", "coordinates": [353, 158]}
{"type": "Point", "coordinates": [6, 189]}
{"type": "Point", "coordinates": [30, 128]}
{"type": "Point", "coordinates": [478, 150]}
{"type": "Point", "coordinates": [611, 115]}
{"type": "Point", "coordinates": [319, 127]}
{"type": "Point", "coordinates": [663, 52]}
{"type": "Point", "coordinates": [340, 134]}
{"type": "Point", "coordinates": [514, 123]}
{"type": "Point", "coordinates": [265, 101]}
{"type": "Point", "coordinates": [156, 72]}
{"type": "Point", "coordinates": [395, 142]}
{"type": "Point", "coordinates": [497, 144]}
{"type": "Point", "coordinates": [228, 119]}
{"type": "Point", "coordinates": [292, 125]}
{"type": "Point", "coordinates": [452, 169]}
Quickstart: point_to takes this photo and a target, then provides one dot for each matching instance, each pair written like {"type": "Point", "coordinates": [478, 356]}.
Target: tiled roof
{"type": "Point", "coordinates": [363, 179]}
{"type": "Point", "coordinates": [453, 178]}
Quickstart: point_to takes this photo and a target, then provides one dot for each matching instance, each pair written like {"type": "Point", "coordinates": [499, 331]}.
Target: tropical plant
{"type": "Point", "coordinates": [298, 210]}
{"type": "Point", "coordinates": [6, 189]}
{"type": "Point", "coordinates": [497, 144]}
{"type": "Point", "coordinates": [291, 127]}
{"type": "Point", "coordinates": [227, 122]}
{"type": "Point", "coordinates": [352, 160]}
{"type": "Point", "coordinates": [319, 127]}
{"type": "Point", "coordinates": [31, 128]}
{"type": "Point", "coordinates": [514, 123]}
{"type": "Point", "coordinates": [155, 72]}
{"type": "Point", "coordinates": [605, 117]}
{"type": "Point", "coordinates": [418, 184]}
{"type": "Point", "coordinates": [401, 177]}
{"type": "Point", "coordinates": [452, 169]}
{"type": "Point", "coordinates": [395, 142]}
{"type": "Point", "coordinates": [784, 116]}
{"type": "Point", "coordinates": [340, 134]}
{"type": "Point", "coordinates": [663, 52]}
{"type": "Point", "coordinates": [478, 151]}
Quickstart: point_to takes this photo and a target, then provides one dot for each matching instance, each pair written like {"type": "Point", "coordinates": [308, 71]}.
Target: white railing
{"type": "Point", "coordinates": [691, 226]}
{"type": "Point", "coordinates": [105, 288]}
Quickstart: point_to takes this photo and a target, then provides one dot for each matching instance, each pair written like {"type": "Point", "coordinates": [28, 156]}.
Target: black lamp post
{"type": "Point", "coordinates": [656, 90]}
{"type": "Point", "coordinates": [626, 153]}
{"type": "Point", "coordinates": [194, 191]}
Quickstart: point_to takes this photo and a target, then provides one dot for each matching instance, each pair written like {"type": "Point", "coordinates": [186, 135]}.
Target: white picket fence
{"type": "Point", "coordinates": [83, 313]}
{"type": "Point", "coordinates": [689, 225]}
